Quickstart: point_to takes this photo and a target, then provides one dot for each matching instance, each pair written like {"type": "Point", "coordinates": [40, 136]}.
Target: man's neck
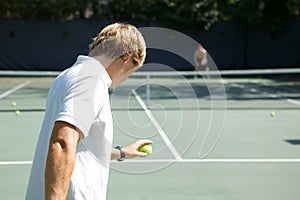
{"type": "Point", "coordinates": [105, 62]}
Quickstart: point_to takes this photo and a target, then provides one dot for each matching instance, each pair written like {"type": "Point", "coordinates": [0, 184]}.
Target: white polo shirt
{"type": "Point", "coordinates": [79, 96]}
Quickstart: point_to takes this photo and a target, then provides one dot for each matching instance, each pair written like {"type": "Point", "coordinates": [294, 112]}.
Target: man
{"type": "Point", "coordinates": [200, 59]}
{"type": "Point", "coordinates": [75, 143]}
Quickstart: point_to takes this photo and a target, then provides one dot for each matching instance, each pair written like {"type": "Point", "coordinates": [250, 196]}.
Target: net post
{"type": "Point", "coordinates": [148, 89]}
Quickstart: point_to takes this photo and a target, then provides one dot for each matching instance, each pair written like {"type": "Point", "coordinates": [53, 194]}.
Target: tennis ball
{"type": "Point", "coordinates": [18, 112]}
{"type": "Point", "coordinates": [13, 104]}
{"type": "Point", "coordinates": [147, 148]}
{"type": "Point", "coordinates": [272, 114]}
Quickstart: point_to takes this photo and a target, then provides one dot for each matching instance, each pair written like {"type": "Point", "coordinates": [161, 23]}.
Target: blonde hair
{"type": "Point", "coordinates": [119, 40]}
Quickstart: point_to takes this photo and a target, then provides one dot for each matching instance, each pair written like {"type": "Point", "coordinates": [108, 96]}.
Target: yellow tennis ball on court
{"type": "Point", "coordinates": [147, 148]}
{"type": "Point", "coordinates": [18, 112]}
{"type": "Point", "coordinates": [13, 104]}
{"type": "Point", "coordinates": [272, 114]}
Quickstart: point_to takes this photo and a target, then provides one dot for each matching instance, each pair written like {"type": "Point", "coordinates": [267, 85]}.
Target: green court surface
{"type": "Point", "coordinates": [248, 153]}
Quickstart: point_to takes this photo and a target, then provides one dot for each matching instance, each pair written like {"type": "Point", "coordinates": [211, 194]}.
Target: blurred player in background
{"type": "Point", "coordinates": [200, 59]}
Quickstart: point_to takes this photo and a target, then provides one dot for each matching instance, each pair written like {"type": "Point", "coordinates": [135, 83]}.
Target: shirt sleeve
{"type": "Point", "coordinates": [78, 105]}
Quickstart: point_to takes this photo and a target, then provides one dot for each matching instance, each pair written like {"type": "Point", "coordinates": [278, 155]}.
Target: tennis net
{"type": "Point", "coordinates": [175, 90]}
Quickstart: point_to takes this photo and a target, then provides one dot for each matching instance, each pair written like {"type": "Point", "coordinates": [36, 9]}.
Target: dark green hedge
{"type": "Point", "coordinates": [194, 13]}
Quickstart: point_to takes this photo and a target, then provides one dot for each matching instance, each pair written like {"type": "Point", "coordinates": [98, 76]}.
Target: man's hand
{"type": "Point", "coordinates": [131, 151]}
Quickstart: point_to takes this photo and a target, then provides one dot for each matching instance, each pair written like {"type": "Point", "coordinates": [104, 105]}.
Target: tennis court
{"type": "Point", "coordinates": [235, 137]}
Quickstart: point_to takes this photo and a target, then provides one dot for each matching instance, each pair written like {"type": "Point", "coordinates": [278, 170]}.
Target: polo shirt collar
{"type": "Point", "coordinates": [106, 78]}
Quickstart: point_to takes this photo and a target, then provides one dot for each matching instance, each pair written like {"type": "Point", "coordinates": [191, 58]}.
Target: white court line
{"type": "Point", "coordinates": [157, 126]}
{"type": "Point", "coordinates": [274, 96]}
{"type": "Point", "coordinates": [12, 90]}
{"type": "Point", "coordinates": [292, 101]}
{"type": "Point", "coordinates": [217, 160]}
{"type": "Point", "coordinates": [214, 160]}
{"type": "Point", "coordinates": [15, 162]}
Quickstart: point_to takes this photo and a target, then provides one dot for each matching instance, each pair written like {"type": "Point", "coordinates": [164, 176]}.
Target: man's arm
{"type": "Point", "coordinates": [60, 160]}
{"type": "Point", "coordinates": [131, 151]}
